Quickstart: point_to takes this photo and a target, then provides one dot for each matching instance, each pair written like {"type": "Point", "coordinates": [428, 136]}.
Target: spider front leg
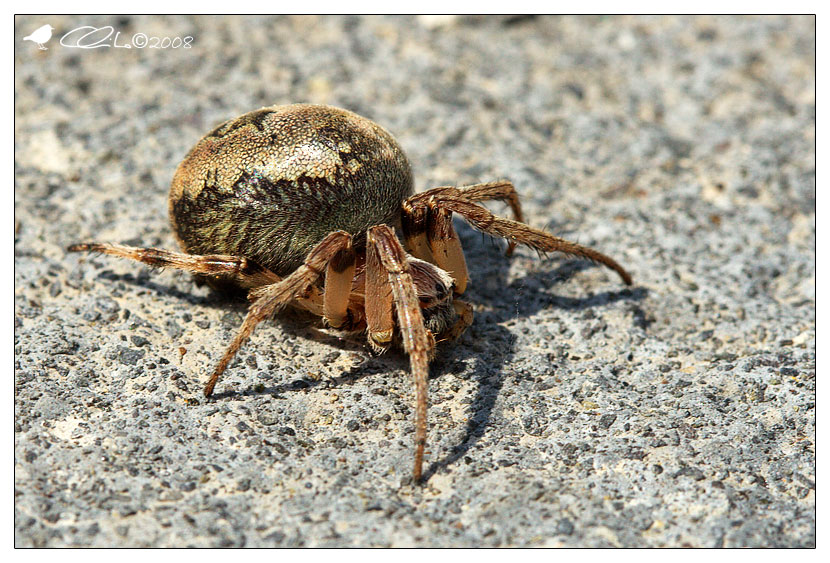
{"type": "Point", "coordinates": [298, 285]}
{"type": "Point", "coordinates": [481, 219]}
{"type": "Point", "coordinates": [428, 226]}
{"type": "Point", "coordinates": [500, 190]}
{"type": "Point", "coordinates": [388, 268]}
{"type": "Point", "coordinates": [431, 237]}
{"type": "Point", "coordinates": [446, 247]}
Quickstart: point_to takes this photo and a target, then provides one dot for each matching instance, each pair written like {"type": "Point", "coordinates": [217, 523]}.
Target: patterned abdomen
{"type": "Point", "coordinates": [272, 183]}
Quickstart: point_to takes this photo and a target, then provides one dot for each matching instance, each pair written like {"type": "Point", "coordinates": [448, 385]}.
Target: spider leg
{"type": "Point", "coordinates": [244, 272]}
{"type": "Point", "coordinates": [480, 218]}
{"type": "Point", "coordinates": [387, 258]}
{"type": "Point", "coordinates": [427, 225]}
{"type": "Point", "coordinates": [238, 270]}
{"type": "Point", "coordinates": [378, 301]}
{"type": "Point", "coordinates": [267, 299]}
{"type": "Point", "coordinates": [446, 246]}
{"type": "Point", "coordinates": [500, 190]}
{"type": "Point", "coordinates": [339, 276]}
{"type": "Point", "coordinates": [415, 221]}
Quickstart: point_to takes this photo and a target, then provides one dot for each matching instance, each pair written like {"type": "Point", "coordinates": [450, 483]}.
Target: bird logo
{"type": "Point", "coordinates": [40, 36]}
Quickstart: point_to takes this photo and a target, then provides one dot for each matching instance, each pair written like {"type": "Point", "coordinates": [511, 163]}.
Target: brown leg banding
{"type": "Point", "coordinates": [484, 221]}
{"type": "Point", "coordinates": [245, 272]}
{"type": "Point", "coordinates": [500, 190]}
{"type": "Point", "coordinates": [378, 302]}
{"type": "Point", "coordinates": [383, 243]}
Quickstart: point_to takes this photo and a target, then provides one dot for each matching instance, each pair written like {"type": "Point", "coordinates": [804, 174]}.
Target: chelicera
{"type": "Point", "coordinates": [302, 204]}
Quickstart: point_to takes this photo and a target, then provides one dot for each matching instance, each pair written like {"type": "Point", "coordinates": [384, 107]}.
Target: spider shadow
{"type": "Point", "coordinates": [353, 375]}
{"type": "Point", "coordinates": [489, 266]}
{"type": "Point", "coordinates": [306, 326]}
{"type": "Point", "coordinates": [145, 279]}
{"type": "Point", "coordinates": [295, 323]}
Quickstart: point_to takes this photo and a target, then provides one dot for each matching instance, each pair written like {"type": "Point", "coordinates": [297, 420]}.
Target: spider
{"type": "Point", "coordinates": [301, 204]}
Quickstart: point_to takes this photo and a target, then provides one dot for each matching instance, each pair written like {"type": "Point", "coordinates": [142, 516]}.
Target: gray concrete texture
{"type": "Point", "coordinates": [574, 412]}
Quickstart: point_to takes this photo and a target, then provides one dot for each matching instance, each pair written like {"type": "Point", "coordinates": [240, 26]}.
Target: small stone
{"type": "Point", "coordinates": [242, 427]}
{"type": "Point", "coordinates": [267, 418]}
{"type": "Point", "coordinates": [564, 527]}
{"type": "Point", "coordinates": [692, 472]}
{"type": "Point", "coordinates": [139, 340]}
{"type": "Point", "coordinates": [128, 356]}
{"type": "Point", "coordinates": [275, 537]}
{"type": "Point", "coordinates": [55, 289]}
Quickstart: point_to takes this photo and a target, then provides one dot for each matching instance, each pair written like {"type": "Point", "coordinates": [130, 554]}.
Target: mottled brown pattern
{"type": "Point", "coordinates": [272, 183]}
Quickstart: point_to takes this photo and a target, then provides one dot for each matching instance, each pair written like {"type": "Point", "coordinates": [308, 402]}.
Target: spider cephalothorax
{"type": "Point", "coordinates": [300, 204]}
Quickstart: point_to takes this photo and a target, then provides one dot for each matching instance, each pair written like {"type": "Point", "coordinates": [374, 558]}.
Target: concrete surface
{"type": "Point", "coordinates": [574, 412]}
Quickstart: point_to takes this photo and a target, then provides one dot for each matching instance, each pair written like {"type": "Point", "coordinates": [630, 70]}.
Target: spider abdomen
{"type": "Point", "coordinates": [272, 183]}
